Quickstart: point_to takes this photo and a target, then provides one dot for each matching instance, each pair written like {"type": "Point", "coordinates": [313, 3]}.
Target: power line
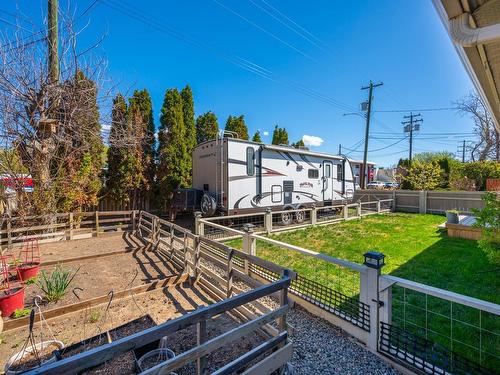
{"type": "Point", "coordinates": [419, 110]}
{"type": "Point", "coordinates": [272, 35]}
{"type": "Point", "coordinates": [135, 13]}
{"type": "Point", "coordinates": [288, 26]}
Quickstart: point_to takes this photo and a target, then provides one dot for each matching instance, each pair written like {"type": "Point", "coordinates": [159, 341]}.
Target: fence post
{"type": "Point", "coordinates": [422, 201]}
{"type": "Point", "coordinates": [346, 212]}
{"type": "Point", "coordinates": [369, 295]}
{"type": "Point", "coordinates": [201, 337]}
{"type": "Point", "coordinates": [268, 220]}
{"type": "Point", "coordinates": [229, 292]}
{"type": "Point", "coordinates": [134, 224]}
{"type": "Point", "coordinates": [358, 209]}
{"type": "Point", "coordinates": [71, 225]}
{"type": "Point", "coordinates": [378, 206]}
{"type": "Point", "coordinates": [198, 224]}
{"type": "Point", "coordinates": [248, 245]}
{"type": "Point", "coordinates": [197, 257]}
{"type": "Point", "coordinates": [9, 233]}
{"type": "Point", "coordinates": [393, 205]}
{"type": "Point", "coordinates": [283, 301]}
{"type": "Point", "coordinates": [314, 214]}
{"type": "Point", "coordinates": [97, 223]}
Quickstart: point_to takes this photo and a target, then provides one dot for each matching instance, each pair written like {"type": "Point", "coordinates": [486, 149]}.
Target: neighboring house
{"type": "Point", "coordinates": [386, 174]}
{"type": "Point", "coordinates": [356, 166]}
{"type": "Point", "coordinates": [474, 28]}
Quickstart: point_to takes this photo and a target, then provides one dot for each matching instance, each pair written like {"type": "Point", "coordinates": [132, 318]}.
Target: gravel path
{"type": "Point", "coordinates": [319, 347]}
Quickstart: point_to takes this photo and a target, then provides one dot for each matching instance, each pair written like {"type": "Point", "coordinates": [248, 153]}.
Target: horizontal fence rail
{"type": "Point", "coordinates": [64, 226]}
{"type": "Point", "coordinates": [276, 221]}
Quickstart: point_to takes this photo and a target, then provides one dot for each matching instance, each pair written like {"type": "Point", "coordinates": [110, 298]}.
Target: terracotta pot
{"type": "Point", "coordinates": [27, 271]}
{"type": "Point", "coordinates": [11, 300]}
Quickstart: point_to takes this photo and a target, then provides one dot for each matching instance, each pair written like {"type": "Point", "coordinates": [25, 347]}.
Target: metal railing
{"type": "Point", "coordinates": [438, 331]}
{"type": "Point", "coordinates": [276, 221]}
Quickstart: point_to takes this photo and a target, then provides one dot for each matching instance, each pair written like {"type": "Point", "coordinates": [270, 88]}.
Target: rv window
{"type": "Point", "coordinates": [312, 173]}
{"type": "Point", "coordinates": [250, 161]}
{"type": "Point", "coordinates": [340, 172]}
{"type": "Point", "coordinates": [328, 170]}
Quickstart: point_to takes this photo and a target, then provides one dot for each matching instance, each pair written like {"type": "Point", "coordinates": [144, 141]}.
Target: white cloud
{"type": "Point", "coordinates": [311, 140]}
{"type": "Point", "coordinates": [265, 133]}
{"type": "Point", "coordinates": [105, 127]}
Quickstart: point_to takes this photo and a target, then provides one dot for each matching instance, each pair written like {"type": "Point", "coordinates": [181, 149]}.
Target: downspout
{"type": "Point", "coordinates": [467, 36]}
{"type": "Point", "coordinates": [260, 172]}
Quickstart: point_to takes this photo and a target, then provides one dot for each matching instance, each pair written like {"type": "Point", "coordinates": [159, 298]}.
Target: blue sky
{"type": "Point", "coordinates": [314, 73]}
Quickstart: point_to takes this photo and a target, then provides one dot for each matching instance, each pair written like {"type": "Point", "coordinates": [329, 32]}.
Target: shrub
{"type": "Point", "coordinates": [422, 176]}
{"type": "Point", "coordinates": [54, 286]}
{"type": "Point", "coordinates": [478, 171]}
{"type": "Point", "coordinates": [488, 219]}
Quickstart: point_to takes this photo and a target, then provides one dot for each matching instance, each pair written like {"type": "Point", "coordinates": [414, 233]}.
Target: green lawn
{"type": "Point", "coordinates": [416, 249]}
{"type": "Point", "coordinates": [414, 246]}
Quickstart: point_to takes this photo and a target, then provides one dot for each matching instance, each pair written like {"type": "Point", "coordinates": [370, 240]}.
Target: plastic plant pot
{"type": "Point", "coordinates": [11, 300]}
{"type": "Point", "coordinates": [153, 358]}
{"type": "Point", "coordinates": [27, 271]}
{"type": "Point", "coordinates": [452, 217]}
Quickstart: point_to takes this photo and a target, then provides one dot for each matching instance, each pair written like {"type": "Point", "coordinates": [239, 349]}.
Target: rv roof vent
{"type": "Point", "coordinates": [230, 134]}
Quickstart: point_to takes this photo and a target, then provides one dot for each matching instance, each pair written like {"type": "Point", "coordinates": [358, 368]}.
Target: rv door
{"type": "Point", "coordinates": [327, 181]}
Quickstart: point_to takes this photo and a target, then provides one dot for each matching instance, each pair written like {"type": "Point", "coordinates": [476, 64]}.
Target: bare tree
{"type": "Point", "coordinates": [44, 125]}
{"type": "Point", "coordinates": [488, 146]}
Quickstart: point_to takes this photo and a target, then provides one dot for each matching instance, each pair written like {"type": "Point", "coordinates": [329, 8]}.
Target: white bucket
{"type": "Point", "coordinates": [167, 353]}
{"type": "Point", "coordinates": [20, 355]}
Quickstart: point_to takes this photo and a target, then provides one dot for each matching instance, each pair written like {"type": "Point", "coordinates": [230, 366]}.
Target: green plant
{"type": "Point", "coordinates": [94, 316]}
{"type": "Point", "coordinates": [31, 280]}
{"type": "Point", "coordinates": [15, 262]}
{"type": "Point", "coordinates": [452, 211]}
{"type": "Point", "coordinates": [488, 219]}
{"type": "Point", "coordinates": [54, 286]}
{"type": "Point", "coordinates": [2, 339]}
{"type": "Point", "coordinates": [20, 313]}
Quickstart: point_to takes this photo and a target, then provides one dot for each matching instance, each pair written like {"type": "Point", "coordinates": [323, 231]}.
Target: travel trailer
{"type": "Point", "coordinates": [233, 176]}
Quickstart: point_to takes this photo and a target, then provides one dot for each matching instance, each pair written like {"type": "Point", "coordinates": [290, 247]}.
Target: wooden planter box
{"type": "Point", "coordinates": [463, 231]}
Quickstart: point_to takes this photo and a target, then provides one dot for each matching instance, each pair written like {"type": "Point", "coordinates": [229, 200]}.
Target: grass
{"type": "Point", "coordinates": [416, 249]}
{"type": "Point", "coordinates": [414, 246]}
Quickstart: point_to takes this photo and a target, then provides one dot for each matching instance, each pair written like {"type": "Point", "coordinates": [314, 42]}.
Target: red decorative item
{"type": "Point", "coordinates": [30, 256]}
{"type": "Point", "coordinates": [11, 298]}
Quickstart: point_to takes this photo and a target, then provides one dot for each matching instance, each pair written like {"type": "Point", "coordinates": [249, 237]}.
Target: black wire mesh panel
{"type": "Point", "coordinates": [425, 355]}
{"type": "Point", "coordinates": [347, 308]}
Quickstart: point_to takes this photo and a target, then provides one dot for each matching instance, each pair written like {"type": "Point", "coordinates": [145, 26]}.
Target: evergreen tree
{"type": "Point", "coordinates": [140, 115]}
{"type": "Point", "coordinates": [280, 136]}
{"type": "Point", "coordinates": [173, 157]}
{"type": "Point", "coordinates": [207, 127]}
{"type": "Point", "coordinates": [122, 177]}
{"type": "Point", "coordinates": [188, 113]}
{"type": "Point", "coordinates": [256, 137]}
{"type": "Point", "coordinates": [237, 125]}
{"type": "Point", "coordinates": [80, 180]}
{"type": "Point", "coordinates": [299, 144]}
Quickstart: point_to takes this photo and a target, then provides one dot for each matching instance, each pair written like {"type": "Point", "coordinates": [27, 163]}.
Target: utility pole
{"type": "Point", "coordinates": [411, 126]}
{"type": "Point", "coordinates": [370, 88]}
{"type": "Point", "coordinates": [53, 41]}
{"type": "Point", "coordinates": [340, 149]}
{"type": "Point", "coordinates": [463, 147]}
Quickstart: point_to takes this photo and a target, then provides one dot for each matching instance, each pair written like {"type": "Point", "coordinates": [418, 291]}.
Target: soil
{"type": "Point", "coordinates": [99, 276]}
{"type": "Point", "coordinates": [31, 360]}
{"type": "Point", "coordinates": [160, 304]}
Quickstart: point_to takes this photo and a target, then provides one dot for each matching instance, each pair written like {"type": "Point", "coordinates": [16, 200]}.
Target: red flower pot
{"type": "Point", "coordinates": [11, 300]}
{"type": "Point", "coordinates": [27, 271]}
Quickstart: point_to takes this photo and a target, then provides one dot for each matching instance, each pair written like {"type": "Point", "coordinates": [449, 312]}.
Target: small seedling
{"type": "Point", "coordinates": [94, 316]}
{"type": "Point", "coordinates": [15, 262]}
{"type": "Point", "coordinates": [54, 286]}
{"type": "Point", "coordinates": [2, 339]}
{"type": "Point", "coordinates": [31, 280]}
{"type": "Point", "coordinates": [20, 313]}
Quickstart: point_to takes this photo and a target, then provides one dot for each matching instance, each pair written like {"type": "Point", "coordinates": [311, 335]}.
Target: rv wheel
{"type": "Point", "coordinates": [287, 218]}
{"type": "Point", "coordinates": [300, 216]}
{"type": "Point", "coordinates": [208, 205]}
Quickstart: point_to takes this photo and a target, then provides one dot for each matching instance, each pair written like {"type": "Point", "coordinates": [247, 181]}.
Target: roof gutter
{"type": "Point", "coordinates": [467, 36]}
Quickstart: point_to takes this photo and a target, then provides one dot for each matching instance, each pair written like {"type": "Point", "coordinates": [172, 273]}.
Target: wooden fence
{"type": "Point", "coordinates": [433, 202]}
{"type": "Point", "coordinates": [64, 226]}
{"type": "Point", "coordinates": [186, 251]}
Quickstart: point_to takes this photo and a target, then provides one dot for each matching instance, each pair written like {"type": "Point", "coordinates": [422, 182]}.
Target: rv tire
{"type": "Point", "coordinates": [300, 216]}
{"type": "Point", "coordinates": [286, 218]}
